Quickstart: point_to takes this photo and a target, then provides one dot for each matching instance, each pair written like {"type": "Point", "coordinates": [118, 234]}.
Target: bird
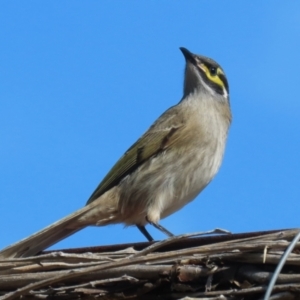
{"type": "Point", "coordinates": [165, 169]}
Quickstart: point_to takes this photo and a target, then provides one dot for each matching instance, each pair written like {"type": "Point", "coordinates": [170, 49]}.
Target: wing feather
{"type": "Point", "coordinates": [158, 138]}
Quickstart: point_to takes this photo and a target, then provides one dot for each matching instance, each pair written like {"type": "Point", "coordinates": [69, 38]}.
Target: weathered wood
{"type": "Point", "coordinates": [182, 267]}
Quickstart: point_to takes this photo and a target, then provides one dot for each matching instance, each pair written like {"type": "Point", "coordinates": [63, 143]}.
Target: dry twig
{"type": "Point", "coordinates": [184, 267]}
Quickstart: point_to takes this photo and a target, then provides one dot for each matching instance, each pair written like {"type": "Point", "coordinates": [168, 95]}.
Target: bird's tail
{"type": "Point", "coordinates": [92, 214]}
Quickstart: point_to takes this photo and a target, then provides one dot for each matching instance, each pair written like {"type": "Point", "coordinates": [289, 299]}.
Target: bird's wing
{"type": "Point", "coordinates": [158, 138]}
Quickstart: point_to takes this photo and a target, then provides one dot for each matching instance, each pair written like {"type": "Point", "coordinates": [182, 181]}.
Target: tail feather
{"type": "Point", "coordinates": [46, 237]}
{"type": "Point", "coordinates": [88, 215]}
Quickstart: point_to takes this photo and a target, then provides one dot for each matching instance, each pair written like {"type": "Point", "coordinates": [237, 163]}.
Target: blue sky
{"type": "Point", "coordinates": [80, 81]}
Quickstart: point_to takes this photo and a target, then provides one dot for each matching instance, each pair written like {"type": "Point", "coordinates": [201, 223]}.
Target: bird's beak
{"type": "Point", "coordinates": [189, 56]}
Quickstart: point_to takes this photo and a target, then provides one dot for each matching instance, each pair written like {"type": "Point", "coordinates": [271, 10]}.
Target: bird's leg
{"type": "Point", "coordinates": [144, 231]}
{"type": "Point", "coordinates": [161, 228]}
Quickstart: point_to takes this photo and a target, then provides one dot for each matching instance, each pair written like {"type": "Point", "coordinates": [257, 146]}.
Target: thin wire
{"type": "Point", "coordinates": [280, 265]}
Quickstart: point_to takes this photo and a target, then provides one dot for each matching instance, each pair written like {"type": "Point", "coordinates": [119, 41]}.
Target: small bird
{"type": "Point", "coordinates": [171, 163]}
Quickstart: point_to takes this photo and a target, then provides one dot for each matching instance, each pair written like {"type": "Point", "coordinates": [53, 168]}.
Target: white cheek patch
{"type": "Point", "coordinates": [225, 93]}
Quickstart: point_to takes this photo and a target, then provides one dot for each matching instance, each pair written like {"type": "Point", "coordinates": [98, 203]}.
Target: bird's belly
{"type": "Point", "coordinates": [166, 185]}
{"type": "Point", "coordinates": [191, 181]}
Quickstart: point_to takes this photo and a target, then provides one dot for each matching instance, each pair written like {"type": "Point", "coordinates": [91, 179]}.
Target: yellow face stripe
{"type": "Point", "coordinates": [214, 78]}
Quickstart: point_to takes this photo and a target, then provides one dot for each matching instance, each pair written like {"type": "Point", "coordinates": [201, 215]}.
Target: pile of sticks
{"type": "Point", "coordinates": [192, 266]}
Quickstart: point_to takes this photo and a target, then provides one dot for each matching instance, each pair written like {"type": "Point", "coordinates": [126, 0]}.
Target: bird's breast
{"type": "Point", "coordinates": [170, 180]}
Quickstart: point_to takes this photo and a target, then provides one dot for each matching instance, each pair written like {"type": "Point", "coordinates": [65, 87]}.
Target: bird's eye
{"type": "Point", "coordinates": [213, 71]}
